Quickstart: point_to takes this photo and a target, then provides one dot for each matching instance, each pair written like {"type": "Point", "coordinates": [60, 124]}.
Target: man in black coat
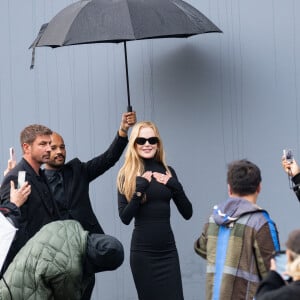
{"type": "Point", "coordinates": [40, 209]}
{"type": "Point", "coordinates": [69, 182]}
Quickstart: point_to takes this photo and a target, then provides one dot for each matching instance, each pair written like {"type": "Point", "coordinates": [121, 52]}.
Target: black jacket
{"type": "Point", "coordinates": [77, 176]}
{"type": "Point", "coordinates": [273, 287]}
{"type": "Point", "coordinates": [38, 210]}
{"type": "Point", "coordinates": [296, 187]}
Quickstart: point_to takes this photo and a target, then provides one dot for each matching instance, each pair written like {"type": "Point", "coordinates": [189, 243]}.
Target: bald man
{"type": "Point", "coordinates": [69, 182]}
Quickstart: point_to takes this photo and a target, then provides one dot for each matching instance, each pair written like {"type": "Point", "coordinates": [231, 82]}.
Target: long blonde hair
{"type": "Point", "coordinates": [133, 165]}
{"type": "Point", "coordinates": [293, 266]}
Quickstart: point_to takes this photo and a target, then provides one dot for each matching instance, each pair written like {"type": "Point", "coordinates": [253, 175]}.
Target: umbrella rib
{"type": "Point", "coordinates": [80, 7]}
{"type": "Point", "coordinates": [133, 33]}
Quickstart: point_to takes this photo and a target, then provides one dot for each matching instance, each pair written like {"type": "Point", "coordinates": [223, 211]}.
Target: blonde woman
{"type": "Point", "coordinates": [146, 185]}
{"type": "Point", "coordinates": [274, 287]}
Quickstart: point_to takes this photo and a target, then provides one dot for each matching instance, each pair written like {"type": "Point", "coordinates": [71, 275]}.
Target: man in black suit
{"type": "Point", "coordinates": [69, 182]}
{"type": "Point", "coordinates": [40, 208]}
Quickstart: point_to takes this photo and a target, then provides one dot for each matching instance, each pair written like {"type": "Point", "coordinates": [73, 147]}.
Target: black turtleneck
{"type": "Point", "coordinates": [56, 184]}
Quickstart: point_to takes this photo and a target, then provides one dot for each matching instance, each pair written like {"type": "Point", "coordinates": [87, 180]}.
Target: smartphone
{"type": "Point", "coordinates": [21, 178]}
{"type": "Point", "coordinates": [12, 154]}
{"type": "Point", "coordinates": [281, 262]}
{"type": "Point", "coordinates": [288, 155]}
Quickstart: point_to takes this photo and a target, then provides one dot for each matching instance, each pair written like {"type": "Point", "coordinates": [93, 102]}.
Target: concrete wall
{"type": "Point", "coordinates": [215, 97]}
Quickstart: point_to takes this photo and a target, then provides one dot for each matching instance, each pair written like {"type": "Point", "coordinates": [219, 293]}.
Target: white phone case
{"type": "Point", "coordinates": [21, 178]}
{"type": "Point", "coordinates": [12, 154]}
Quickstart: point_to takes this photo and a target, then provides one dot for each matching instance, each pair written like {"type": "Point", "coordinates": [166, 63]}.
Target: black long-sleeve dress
{"type": "Point", "coordinates": [153, 257]}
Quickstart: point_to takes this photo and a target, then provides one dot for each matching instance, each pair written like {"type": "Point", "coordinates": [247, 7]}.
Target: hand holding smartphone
{"type": "Point", "coordinates": [11, 163]}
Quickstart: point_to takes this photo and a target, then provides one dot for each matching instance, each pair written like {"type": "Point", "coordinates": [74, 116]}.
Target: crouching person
{"type": "Point", "coordinates": [53, 263]}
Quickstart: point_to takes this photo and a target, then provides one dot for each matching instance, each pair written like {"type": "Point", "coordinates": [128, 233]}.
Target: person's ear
{"type": "Point", "coordinates": [25, 147]}
{"type": "Point", "coordinates": [229, 190]}
{"type": "Point", "coordinates": [258, 188]}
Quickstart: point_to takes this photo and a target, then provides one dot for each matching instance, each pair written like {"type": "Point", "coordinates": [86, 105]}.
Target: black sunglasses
{"type": "Point", "coordinates": [142, 141]}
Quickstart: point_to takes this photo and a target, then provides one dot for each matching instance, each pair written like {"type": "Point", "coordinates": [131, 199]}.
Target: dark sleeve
{"type": "Point", "coordinates": [272, 287]}
{"type": "Point", "coordinates": [5, 188]}
{"type": "Point", "coordinates": [128, 210]}
{"type": "Point", "coordinates": [11, 211]}
{"type": "Point", "coordinates": [296, 187]}
{"type": "Point", "coordinates": [101, 163]}
{"type": "Point", "coordinates": [181, 201]}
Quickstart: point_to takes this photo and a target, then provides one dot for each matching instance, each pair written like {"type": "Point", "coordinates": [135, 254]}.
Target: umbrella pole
{"type": "Point", "coordinates": [129, 107]}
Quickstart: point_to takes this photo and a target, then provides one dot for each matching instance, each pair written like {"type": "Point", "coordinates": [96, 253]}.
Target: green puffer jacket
{"type": "Point", "coordinates": [49, 266]}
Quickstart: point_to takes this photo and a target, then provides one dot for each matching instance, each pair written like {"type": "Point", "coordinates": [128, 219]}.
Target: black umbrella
{"type": "Point", "coordinates": [101, 21]}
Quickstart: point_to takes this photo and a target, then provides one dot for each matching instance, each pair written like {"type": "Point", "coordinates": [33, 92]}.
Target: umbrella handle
{"type": "Point", "coordinates": [129, 107]}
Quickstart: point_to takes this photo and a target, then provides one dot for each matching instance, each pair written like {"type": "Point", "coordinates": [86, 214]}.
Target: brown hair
{"type": "Point", "coordinates": [29, 133]}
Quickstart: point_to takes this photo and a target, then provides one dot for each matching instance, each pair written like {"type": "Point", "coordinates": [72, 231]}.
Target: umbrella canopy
{"type": "Point", "coordinates": [102, 21]}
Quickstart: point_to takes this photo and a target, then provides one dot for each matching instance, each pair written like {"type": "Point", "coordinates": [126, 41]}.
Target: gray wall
{"type": "Point", "coordinates": [215, 98]}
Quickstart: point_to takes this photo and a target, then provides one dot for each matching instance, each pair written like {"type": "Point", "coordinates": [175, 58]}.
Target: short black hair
{"type": "Point", "coordinates": [243, 177]}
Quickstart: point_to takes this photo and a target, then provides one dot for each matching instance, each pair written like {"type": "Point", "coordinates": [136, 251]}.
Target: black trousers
{"type": "Point", "coordinates": [87, 294]}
